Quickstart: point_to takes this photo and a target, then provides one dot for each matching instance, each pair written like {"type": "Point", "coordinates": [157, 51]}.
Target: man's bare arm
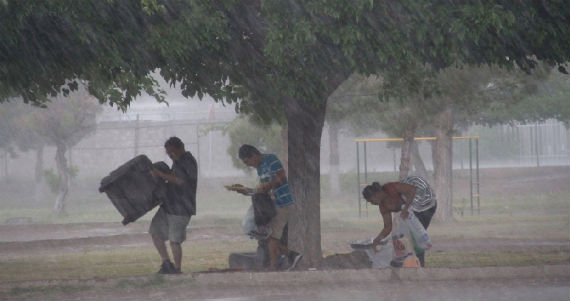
{"type": "Point", "coordinates": [168, 177]}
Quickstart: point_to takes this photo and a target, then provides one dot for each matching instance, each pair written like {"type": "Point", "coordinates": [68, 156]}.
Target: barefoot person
{"type": "Point", "coordinates": [410, 193]}
{"type": "Point", "coordinates": [273, 181]}
{"type": "Point", "coordinates": [172, 218]}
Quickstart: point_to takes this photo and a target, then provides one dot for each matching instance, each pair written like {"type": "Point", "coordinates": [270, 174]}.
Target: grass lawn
{"type": "Point", "coordinates": [533, 216]}
{"type": "Point", "coordinates": [117, 262]}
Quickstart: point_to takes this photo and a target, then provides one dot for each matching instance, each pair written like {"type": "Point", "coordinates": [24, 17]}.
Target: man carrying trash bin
{"type": "Point", "coordinates": [172, 218]}
{"type": "Point", "coordinates": [273, 181]}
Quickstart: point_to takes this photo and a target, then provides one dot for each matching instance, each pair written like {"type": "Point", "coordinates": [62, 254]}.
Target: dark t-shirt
{"type": "Point", "coordinates": [182, 199]}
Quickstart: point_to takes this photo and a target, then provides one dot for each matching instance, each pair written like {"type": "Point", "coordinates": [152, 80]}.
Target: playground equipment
{"type": "Point", "coordinates": [472, 194]}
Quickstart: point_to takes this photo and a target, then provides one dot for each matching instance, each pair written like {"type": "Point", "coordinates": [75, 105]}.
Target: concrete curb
{"type": "Point", "coordinates": [290, 279]}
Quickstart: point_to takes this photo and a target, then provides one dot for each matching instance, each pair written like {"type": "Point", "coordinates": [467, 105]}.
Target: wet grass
{"type": "Point", "coordinates": [213, 252]}
{"type": "Point", "coordinates": [541, 215]}
{"type": "Point", "coordinates": [494, 259]}
{"type": "Point", "coordinates": [45, 290]}
{"type": "Point", "coordinates": [119, 262]}
{"type": "Point", "coordinates": [122, 285]}
{"type": "Point", "coordinates": [127, 263]}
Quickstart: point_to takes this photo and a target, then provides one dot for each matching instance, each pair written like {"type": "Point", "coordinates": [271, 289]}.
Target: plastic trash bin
{"type": "Point", "coordinates": [133, 190]}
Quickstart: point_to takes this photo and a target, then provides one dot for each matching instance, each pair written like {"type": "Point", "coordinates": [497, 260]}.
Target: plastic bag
{"type": "Point", "coordinates": [403, 255]}
{"type": "Point", "coordinates": [248, 223]}
{"type": "Point", "coordinates": [401, 238]}
{"type": "Point", "coordinates": [379, 257]}
{"type": "Point", "coordinates": [418, 234]}
{"type": "Point", "coordinates": [251, 229]}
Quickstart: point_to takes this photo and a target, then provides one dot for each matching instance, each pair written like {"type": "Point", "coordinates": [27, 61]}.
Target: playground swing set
{"type": "Point", "coordinates": [474, 183]}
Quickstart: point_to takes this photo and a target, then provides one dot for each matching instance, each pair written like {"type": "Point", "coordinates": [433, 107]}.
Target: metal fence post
{"type": "Point", "coordinates": [358, 177]}
{"type": "Point", "coordinates": [470, 176]}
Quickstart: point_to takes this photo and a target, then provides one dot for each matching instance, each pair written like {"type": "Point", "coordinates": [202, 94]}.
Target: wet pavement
{"type": "Point", "coordinates": [492, 289]}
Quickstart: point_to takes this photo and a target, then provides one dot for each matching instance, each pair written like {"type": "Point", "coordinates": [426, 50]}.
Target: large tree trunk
{"type": "Point", "coordinates": [443, 164]}
{"type": "Point", "coordinates": [63, 175]}
{"type": "Point", "coordinates": [418, 162]}
{"type": "Point", "coordinates": [409, 134]}
{"type": "Point", "coordinates": [305, 128]}
{"type": "Point", "coordinates": [334, 183]}
{"type": "Point", "coordinates": [405, 159]}
{"type": "Point", "coordinates": [39, 174]}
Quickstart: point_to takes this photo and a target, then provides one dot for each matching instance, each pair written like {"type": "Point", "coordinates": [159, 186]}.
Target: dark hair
{"type": "Point", "coordinates": [174, 142]}
{"type": "Point", "coordinates": [371, 189]}
{"type": "Point", "coordinates": [247, 151]}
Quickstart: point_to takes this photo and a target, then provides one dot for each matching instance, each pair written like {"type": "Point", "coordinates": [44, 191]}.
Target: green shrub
{"type": "Point", "coordinates": [52, 178]}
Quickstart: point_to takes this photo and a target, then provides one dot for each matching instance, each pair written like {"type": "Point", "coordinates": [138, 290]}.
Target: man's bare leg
{"type": "Point", "coordinates": [176, 254]}
{"type": "Point", "coordinates": [273, 248]}
{"type": "Point", "coordinates": [284, 249]}
{"type": "Point", "coordinates": [160, 246]}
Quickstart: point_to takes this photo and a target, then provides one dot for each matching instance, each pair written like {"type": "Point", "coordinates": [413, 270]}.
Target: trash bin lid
{"type": "Point", "coordinates": [140, 161]}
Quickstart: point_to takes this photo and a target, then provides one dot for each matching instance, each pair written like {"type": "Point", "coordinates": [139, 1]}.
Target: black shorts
{"type": "Point", "coordinates": [425, 216]}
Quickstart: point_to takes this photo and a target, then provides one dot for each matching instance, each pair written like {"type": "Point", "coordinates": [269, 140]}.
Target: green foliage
{"type": "Point", "coordinates": [271, 56]}
{"type": "Point", "coordinates": [243, 131]}
{"type": "Point", "coordinates": [65, 121]}
{"type": "Point", "coordinates": [550, 99]}
{"type": "Point", "coordinates": [116, 45]}
{"type": "Point", "coordinates": [53, 180]}
{"type": "Point", "coordinates": [356, 95]}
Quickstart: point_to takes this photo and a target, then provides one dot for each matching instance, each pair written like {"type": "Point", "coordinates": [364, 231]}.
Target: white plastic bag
{"type": "Point", "coordinates": [404, 251]}
{"type": "Point", "coordinates": [380, 256]}
{"type": "Point", "coordinates": [401, 238]}
{"type": "Point", "coordinates": [248, 223]}
{"type": "Point", "coordinates": [418, 234]}
{"type": "Point", "coordinates": [251, 229]}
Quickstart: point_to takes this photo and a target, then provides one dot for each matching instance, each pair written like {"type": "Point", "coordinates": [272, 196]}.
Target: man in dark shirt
{"type": "Point", "coordinates": [172, 218]}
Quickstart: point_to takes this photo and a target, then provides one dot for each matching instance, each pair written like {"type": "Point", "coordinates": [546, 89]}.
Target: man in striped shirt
{"type": "Point", "coordinates": [273, 180]}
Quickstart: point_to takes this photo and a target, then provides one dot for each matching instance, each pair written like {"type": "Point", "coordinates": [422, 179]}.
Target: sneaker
{"type": "Point", "coordinates": [281, 260]}
{"type": "Point", "coordinates": [396, 263]}
{"type": "Point", "coordinates": [294, 258]}
{"type": "Point", "coordinates": [167, 268]}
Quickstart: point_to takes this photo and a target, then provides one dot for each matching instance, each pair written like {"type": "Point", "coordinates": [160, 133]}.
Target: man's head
{"type": "Point", "coordinates": [174, 148]}
{"type": "Point", "coordinates": [249, 155]}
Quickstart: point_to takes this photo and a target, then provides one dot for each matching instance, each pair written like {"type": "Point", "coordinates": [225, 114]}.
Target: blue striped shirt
{"type": "Point", "coordinates": [267, 171]}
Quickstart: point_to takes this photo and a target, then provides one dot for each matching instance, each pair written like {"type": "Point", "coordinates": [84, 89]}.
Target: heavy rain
{"type": "Point", "coordinates": [284, 150]}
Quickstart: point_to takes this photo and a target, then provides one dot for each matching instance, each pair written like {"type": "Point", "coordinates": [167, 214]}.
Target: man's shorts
{"type": "Point", "coordinates": [169, 227]}
{"type": "Point", "coordinates": [279, 221]}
